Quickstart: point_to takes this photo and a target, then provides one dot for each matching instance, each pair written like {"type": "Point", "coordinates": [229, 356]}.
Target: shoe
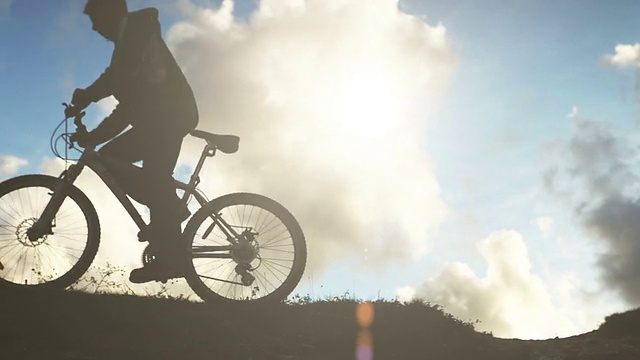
{"type": "Point", "coordinates": [156, 271]}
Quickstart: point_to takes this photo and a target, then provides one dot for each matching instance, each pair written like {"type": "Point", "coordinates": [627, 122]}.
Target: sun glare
{"type": "Point", "coordinates": [366, 107]}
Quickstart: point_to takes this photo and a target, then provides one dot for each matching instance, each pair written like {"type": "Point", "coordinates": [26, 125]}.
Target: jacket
{"type": "Point", "coordinates": [144, 77]}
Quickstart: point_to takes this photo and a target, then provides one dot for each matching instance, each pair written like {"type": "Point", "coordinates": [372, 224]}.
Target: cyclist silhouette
{"type": "Point", "coordinates": [155, 99]}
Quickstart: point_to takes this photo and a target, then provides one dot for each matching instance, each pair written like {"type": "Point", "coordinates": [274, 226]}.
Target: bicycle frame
{"type": "Point", "coordinates": [92, 159]}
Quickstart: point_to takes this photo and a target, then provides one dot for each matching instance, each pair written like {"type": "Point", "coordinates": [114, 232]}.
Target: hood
{"type": "Point", "coordinates": [145, 20]}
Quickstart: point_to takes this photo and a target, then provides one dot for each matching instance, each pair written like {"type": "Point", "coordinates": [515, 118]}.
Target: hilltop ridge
{"type": "Point", "coordinates": [75, 325]}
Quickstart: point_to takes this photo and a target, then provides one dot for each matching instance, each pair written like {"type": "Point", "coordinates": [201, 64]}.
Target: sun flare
{"type": "Point", "coordinates": [366, 107]}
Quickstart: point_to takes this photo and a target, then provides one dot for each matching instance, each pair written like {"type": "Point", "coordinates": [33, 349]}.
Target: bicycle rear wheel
{"type": "Point", "coordinates": [55, 260]}
{"type": "Point", "coordinates": [266, 268]}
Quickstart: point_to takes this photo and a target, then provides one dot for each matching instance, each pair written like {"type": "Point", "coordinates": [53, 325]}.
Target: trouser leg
{"type": "Point", "coordinates": [119, 155]}
{"type": "Point", "coordinates": [158, 166]}
{"type": "Point", "coordinates": [153, 184]}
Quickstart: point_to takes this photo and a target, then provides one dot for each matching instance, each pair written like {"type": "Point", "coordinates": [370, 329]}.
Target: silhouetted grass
{"type": "Point", "coordinates": [625, 324]}
{"type": "Point", "coordinates": [76, 325]}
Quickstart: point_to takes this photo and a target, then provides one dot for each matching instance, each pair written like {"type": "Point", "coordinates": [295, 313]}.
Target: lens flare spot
{"type": "Point", "coordinates": [364, 348]}
{"type": "Point", "coordinates": [364, 343]}
{"type": "Point", "coordinates": [365, 314]}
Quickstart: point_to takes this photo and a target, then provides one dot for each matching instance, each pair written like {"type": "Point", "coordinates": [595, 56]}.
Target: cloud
{"type": "Point", "coordinates": [406, 293]}
{"type": "Point", "coordinates": [599, 181]}
{"type": "Point", "coordinates": [331, 100]}
{"type": "Point", "coordinates": [10, 165]}
{"type": "Point", "coordinates": [545, 224]}
{"type": "Point", "coordinates": [626, 56]}
{"type": "Point", "coordinates": [509, 300]}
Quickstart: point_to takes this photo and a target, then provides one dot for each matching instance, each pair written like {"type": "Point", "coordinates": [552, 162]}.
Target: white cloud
{"type": "Point", "coordinates": [545, 224]}
{"type": "Point", "coordinates": [509, 300]}
{"type": "Point", "coordinates": [107, 105]}
{"type": "Point", "coordinates": [10, 165]}
{"type": "Point", "coordinates": [597, 176]}
{"type": "Point", "coordinates": [329, 99]}
{"type": "Point", "coordinates": [625, 56]}
{"type": "Point", "coordinates": [406, 293]}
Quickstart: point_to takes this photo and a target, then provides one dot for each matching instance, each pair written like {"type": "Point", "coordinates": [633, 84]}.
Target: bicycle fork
{"type": "Point", "coordinates": [46, 222]}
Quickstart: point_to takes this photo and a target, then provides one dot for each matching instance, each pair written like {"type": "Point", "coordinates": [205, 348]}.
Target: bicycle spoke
{"type": "Point", "coordinates": [275, 247]}
{"type": "Point", "coordinates": [228, 278]}
{"type": "Point", "coordinates": [277, 224]}
{"type": "Point", "coordinates": [239, 216]}
{"type": "Point", "coordinates": [57, 254]}
{"type": "Point", "coordinates": [210, 263]}
{"type": "Point", "coordinates": [273, 265]}
{"type": "Point", "coordinates": [71, 239]}
{"type": "Point", "coordinates": [12, 272]}
{"type": "Point", "coordinates": [23, 260]}
{"type": "Point", "coordinates": [6, 259]}
{"type": "Point", "coordinates": [30, 203]}
{"type": "Point", "coordinates": [270, 241]}
{"type": "Point", "coordinates": [11, 208]}
{"type": "Point", "coordinates": [47, 259]}
{"type": "Point", "coordinates": [262, 286]}
{"type": "Point", "coordinates": [40, 264]}
{"type": "Point", "coordinates": [260, 223]}
{"type": "Point", "coordinates": [9, 245]}
{"type": "Point", "coordinates": [60, 250]}
{"type": "Point", "coordinates": [270, 283]}
{"type": "Point", "coordinates": [271, 260]}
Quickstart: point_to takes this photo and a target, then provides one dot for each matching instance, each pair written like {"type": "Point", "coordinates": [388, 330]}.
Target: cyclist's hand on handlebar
{"type": "Point", "coordinates": [80, 99]}
{"type": "Point", "coordinates": [71, 111]}
{"type": "Point", "coordinates": [83, 139]}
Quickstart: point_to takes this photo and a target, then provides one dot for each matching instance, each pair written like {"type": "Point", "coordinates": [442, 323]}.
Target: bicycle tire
{"type": "Point", "coordinates": [16, 217]}
{"type": "Point", "coordinates": [211, 291]}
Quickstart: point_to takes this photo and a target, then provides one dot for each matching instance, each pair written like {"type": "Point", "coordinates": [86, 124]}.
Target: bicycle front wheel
{"type": "Point", "coordinates": [244, 248]}
{"type": "Point", "coordinates": [55, 260]}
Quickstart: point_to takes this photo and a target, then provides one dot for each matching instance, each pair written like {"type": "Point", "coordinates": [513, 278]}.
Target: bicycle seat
{"type": "Point", "coordinates": [228, 144]}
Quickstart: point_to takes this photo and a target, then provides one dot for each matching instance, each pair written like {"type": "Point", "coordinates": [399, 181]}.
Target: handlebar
{"type": "Point", "coordinates": [77, 114]}
{"type": "Point", "coordinates": [71, 111]}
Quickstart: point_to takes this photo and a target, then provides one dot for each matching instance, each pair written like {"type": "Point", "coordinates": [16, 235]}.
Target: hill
{"type": "Point", "coordinates": [73, 325]}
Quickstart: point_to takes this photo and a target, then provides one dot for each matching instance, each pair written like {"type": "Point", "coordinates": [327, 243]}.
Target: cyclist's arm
{"type": "Point", "coordinates": [110, 127]}
{"type": "Point", "coordinates": [102, 87]}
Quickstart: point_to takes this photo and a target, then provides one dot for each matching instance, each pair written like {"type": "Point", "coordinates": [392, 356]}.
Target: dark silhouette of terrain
{"type": "Point", "coordinates": [73, 325]}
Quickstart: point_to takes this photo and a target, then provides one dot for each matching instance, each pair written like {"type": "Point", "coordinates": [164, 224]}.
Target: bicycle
{"type": "Point", "coordinates": [242, 247]}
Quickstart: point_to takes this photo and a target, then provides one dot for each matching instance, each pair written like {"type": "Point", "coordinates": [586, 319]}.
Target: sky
{"type": "Point", "coordinates": [478, 155]}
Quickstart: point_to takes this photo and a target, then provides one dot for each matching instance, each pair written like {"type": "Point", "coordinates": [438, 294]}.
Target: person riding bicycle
{"type": "Point", "coordinates": [157, 102]}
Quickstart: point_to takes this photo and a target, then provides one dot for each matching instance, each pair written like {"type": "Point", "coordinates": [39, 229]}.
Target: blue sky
{"type": "Point", "coordinates": [522, 68]}
{"type": "Point", "coordinates": [519, 69]}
